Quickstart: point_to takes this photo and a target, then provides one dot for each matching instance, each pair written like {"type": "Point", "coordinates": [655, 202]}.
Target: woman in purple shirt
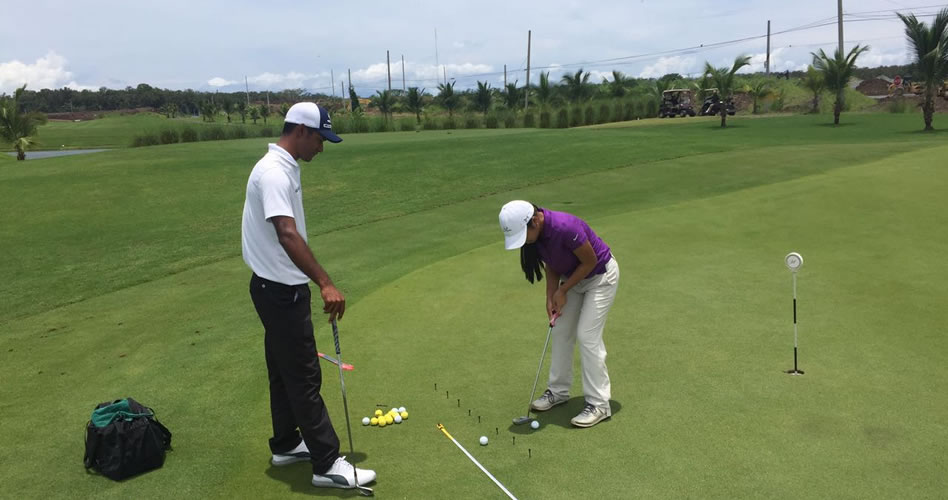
{"type": "Point", "coordinates": [582, 277]}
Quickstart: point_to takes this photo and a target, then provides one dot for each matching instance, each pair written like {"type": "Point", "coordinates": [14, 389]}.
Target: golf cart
{"type": "Point", "coordinates": [676, 102]}
{"type": "Point", "coordinates": [712, 104]}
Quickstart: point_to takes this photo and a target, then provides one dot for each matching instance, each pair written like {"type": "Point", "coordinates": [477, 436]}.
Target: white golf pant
{"type": "Point", "coordinates": [583, 319]}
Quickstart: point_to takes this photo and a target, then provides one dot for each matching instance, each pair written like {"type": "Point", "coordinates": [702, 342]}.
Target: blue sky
{"type": "Point", "coordinates": [210, 44]}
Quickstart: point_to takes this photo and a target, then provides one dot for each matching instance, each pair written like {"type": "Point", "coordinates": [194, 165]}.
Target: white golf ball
{"type": "Point", "coordinates": [365, 421]}
{"type": "Point", "coordinates": [483, 440]}
{"type": "Point", "coordinates": [401, 409]}
{"type": "Point", "coordinates": [535, 424]}
{"type": "Point", "coordinates": [398, 419]}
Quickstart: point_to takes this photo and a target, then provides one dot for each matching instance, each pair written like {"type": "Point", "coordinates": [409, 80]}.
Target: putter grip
{"type": "Point", "coordinates": [335, 338]}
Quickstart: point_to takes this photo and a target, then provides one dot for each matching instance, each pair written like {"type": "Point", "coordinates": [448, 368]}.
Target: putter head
{"type": "Point", "coordinates": [523, 420]}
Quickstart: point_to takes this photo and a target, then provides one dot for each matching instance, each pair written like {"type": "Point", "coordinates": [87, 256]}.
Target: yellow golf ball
{"type": "Point", "coordinates": [389, 419]}
{"type": "Point", "coordinates": [378, 413]}
{"type": "Point", "coordinates": [374, 421]}
{"type": "Point", "coordinates": [382, 422]}
{"type": "Point", "coordinates": [404, 415]}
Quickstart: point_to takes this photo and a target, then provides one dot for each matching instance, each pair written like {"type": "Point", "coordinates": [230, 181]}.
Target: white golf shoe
{"type": "Point", "coordinates": [298, 454]}
{"type": "Point", "coordinates": [590, 416]}
{"type": "Point", "coordinates": [342, 474]}
{"type": "Point", "coordinates": [546, 401]}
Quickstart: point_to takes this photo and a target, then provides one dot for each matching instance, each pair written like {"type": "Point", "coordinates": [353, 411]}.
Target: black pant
{"type": "Point", "coordinates": [293, 368]}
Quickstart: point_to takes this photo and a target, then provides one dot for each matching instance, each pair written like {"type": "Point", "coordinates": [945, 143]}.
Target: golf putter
{"type": "Point", "coordinates": [526, 418]}
{"type": "Point", "coordinates": [365, 491]}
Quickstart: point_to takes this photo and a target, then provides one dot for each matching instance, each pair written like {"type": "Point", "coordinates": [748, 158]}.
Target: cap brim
{"type": "Point", "coordinates": [329, 136]}
{"type": "Point", "coordinates": [515, 240]}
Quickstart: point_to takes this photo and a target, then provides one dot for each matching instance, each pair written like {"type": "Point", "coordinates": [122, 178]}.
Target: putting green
{"type": "Point", "coordinates": [697, 340]}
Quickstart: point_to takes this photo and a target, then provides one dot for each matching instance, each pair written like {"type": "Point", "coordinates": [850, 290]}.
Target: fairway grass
{"type": "Point", "coordinates": [126, 280]}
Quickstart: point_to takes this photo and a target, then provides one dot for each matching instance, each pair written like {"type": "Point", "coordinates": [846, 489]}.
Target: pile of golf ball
{"type": "Point", "coordinates": [394, 416]}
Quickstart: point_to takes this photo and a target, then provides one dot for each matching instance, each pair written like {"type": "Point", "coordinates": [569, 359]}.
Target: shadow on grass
{"type": "Point", "coordinates": [561, 415]}
{"type": "Point", "coordinates": [922, 132]}
{"type": "Point", "coordinates": [831, 125]}
{"type": "Point", "coordinates": [730, 125]}
{"type": "Point", "coordinates": [298, 477]}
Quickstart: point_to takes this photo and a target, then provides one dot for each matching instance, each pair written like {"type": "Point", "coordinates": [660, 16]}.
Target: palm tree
{"type": "Point", "coordinates": [758, 89]}
{"type": "Point", "coordinates": [617, 87]}
{"type": "Point", "coordinates": [576, 85]}
{"type": "Point", "coordinates": [930, 44]}
{"type": "Point", "coordinates": [208, 111]}
{"type": "Point", "coordinates": [384, 100]}
{"type": "Point", "coordinates": [836, 73]}
{"type": "Point", "coordinates": [723, 79]}
{"type": "Point", "coordinates": [662, 84]}
{"type": "Point", "coordinates": [701, 86]}
{"type": "Point", "coordinates": [544, 91]}
{"type": "Point", "coordinates": [353, 99]}
{"type": "Point", "coordinates": [447, 97]}
{"type": "Point", "coordinates": [18, 128]}
{"type": "Point", "coordinates": [482, 97]}
{"type": "Point", "coordinates": [169, 110]}
{"type": "Point", "coordinates": [228, 107]}
{"type": "Point", "coordinates": [513, 96]}
{"type": "Point", "coordinates": [813, 81]}
{"type": "Point", "coordinates": [242, 111]}
{"type": "Point", "coordinates": [414, 101]}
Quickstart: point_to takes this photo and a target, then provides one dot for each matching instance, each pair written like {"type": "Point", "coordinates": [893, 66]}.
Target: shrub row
{"type": "Point", "coordinates": [576, 115]}
{"type": "Point", "coordinates": [592, 113]}
{"type": "Point", "coordinates": [195, 134]}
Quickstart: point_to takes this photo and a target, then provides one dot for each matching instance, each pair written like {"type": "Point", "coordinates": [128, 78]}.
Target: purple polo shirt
{"type": "Point", "coordinates": [563, 233]}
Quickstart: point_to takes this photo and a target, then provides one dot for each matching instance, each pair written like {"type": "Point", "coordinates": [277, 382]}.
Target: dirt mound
{"type": "Point", "coordinates": [873, 87]}
{"type": "Point", "coordinates": [912, 102]}
{"type": "Point", "coordinates": [743, 101]}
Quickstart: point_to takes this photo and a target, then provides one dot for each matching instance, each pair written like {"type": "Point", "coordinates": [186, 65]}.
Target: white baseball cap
{"type": "Point", "coordinates": [514, 217]}
{"type": "Point", "coordinates": [313, 116]}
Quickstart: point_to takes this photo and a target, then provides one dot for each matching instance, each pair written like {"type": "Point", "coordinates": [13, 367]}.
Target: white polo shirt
{"type": "Point", "coordinates": [273, 189]}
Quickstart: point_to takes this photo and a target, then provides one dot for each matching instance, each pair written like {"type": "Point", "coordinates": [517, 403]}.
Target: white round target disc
{"type": "Point", "coordinates": [794, 261]}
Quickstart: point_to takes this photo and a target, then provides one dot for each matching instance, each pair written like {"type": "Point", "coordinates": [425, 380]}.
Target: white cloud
{"type": "Point", "coordinates": [779, 61]}
{"type": "Point", "coordinates": [75, 86]}
{"type": "Point", "coordinates": [665, 65]}
{"type": "Point", "coordinates": [220, 82]}
{"type": "Point", "coordinates": [280, 80]}
{"type": "Point", "coordinates": [376, 75]}
{"type": "Point", "coordinates": [48, 72]}
{"type": "Point", "coordinates": [758, 63]}
{"type": "Point", "coordinates": [596, 76]}
{"type": "Point", "coordinates": [871, 59]}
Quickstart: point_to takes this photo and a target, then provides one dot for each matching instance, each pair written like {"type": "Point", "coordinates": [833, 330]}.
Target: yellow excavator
{"type": "Point", "coordinates": [906, 88]}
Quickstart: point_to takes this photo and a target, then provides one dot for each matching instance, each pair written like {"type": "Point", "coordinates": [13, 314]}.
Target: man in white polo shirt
{"type": "Point", "coordinates": [275, 248]}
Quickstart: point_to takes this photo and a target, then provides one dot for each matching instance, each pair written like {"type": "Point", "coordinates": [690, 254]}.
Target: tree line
{"type": "Point", "coordinates": [185, 102]}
